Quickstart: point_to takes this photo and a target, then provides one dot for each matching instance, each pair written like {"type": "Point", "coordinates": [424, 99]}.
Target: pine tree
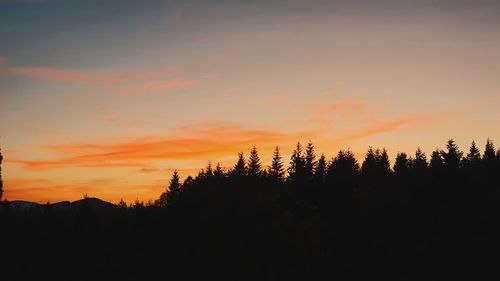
{"type": "Point", "coordinates": [401, 165]}
{"type": "Point", "coordinates": [174, 188]}
{"type": "Point", "coordinates": [489, 152]}
{"type": "Point", "coordinates": [369, 166]}
{"type": "Point", "coordinates": [240, 170]}
{"type": "Point", "coordinates": [218, 173]}
{"type": "Point", "coordinates": [254, 163]}
{"type": "Point", "coordinates": [473, 158]}
{"type": "Point", "coordinates": [201, 175]}
{"type": "Point", "coordinates": [296, 170]}
{"type": "Point", "coordinates": [309, 161]}
{"type": "Point", "coordinates": [209, 173]}
{"type": "Point", "coordinates": [419, 164]}
{"type": "Point", "coordinates": [320, 171]}
{"type": "Point", "coordinates": [188, 181]}
{"type": "Point", "coordinates": [436, 164]}
{"type": "Point", "coordinates": [452, 156]}
{"type": "Point", "coordinates": [383, 164]}
{"type": "Point", "coordinates": [276, 170]}
{"type": "Point", "coordinates": [344, 168]}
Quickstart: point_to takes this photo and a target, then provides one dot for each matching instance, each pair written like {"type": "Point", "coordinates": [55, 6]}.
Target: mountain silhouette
{"type": "Point", "coordinates": [92, 202]}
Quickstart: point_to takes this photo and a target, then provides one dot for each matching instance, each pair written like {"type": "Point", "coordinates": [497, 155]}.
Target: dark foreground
{"type": "Point", "coordinates": [243, 237]}
{"type": "Point", "coordinates": [437, 220]}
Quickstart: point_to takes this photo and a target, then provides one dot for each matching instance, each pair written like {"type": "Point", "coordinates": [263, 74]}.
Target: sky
{"type": "Point", "coordinates": [107, 98]}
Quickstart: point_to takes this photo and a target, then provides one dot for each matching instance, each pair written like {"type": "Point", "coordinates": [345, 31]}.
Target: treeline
{"type": "Point", "coordinates": [427, 217]}
{"type": "Point", "coordinates": [307, 172]}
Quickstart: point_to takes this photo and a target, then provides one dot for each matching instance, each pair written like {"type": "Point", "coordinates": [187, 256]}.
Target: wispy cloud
{"type": "Point", "coordinates": [102, 79]}
{"type": "Point", "coordinates": [187, 143]}
{"type": "Point", "coordinates": [132, 83]}
{"type": "Point", "coordinates": [383, 127]}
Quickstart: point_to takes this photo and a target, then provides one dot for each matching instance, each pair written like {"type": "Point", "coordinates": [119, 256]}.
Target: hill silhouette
{"type": "Point", "coordinates": [423, 217]}
{"type": "Point", "coordinates": [94, 203]}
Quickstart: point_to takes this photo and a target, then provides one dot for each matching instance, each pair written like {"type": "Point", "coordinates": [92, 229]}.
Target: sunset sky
{"type": "Point", "coordinates": [108, 97]}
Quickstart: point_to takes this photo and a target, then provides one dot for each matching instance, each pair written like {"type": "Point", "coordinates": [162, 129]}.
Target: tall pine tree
{"type": "Point", "coordinates": [174, 188]}
{"type": "Point", "coordinates": [419, 164]}
{"type": "Point", "coordinates": [473, 157]}
{"type": "Point", "coordinates": [320, 171]}
{"type": "Point", "coordinates": [296, 170]}
{"type": "Point", "coordinates": [276, 171]}
{"type": "Point", "coordinates": [239, 169]}
{"type": "Point", "coordinates": [309, 161]}
{"type": "Point", "coordinates": [171, 195]}
{"type": "Point", "coordinates": [254, 163]}
{"type": "Point", "coordinates": [383, 164]}
{"type": "Point", "coordinates": [452, 156]}
{"type": "Point", "coordinates": [218, 172]}
{"type": "Point", "coordinates": [369, 166]}
{"type": "Point", "coordinates": [209, 173]}
{"type": "Point", "coordinates": [489, 152]}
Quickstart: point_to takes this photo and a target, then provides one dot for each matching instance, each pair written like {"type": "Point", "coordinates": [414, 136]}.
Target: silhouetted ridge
{"type": "Point", "coordinates": [94, 203]}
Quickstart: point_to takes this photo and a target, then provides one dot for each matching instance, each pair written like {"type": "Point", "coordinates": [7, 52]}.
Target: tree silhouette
{"type": "Point", "coordinates": [296, 170]}
{"type": "Point", "coordinates": [383, 167]}
{"type": "Point", "coordinates": [218, 172]}
{"type": "Point", "coordinates": [402, 165]}
{"type": "Point", "coordinates": [369, 166]}
{"type": "Point", "coordinates": [276, 171]}
{"type": "Point", "coordinates": [489, 153]}
{"type": "Point", "coordinates": [473, 158]}
{"type": "Point", "coordinates": [172, 193]}
{"type": "Point", "coordinates": [240, 170]}
{"type": "Point", "coordinates": [309, 161]}
{"type": "Point", "coordinates": [122, 204]}
{"type": "Point", "coordinates": [174, 188]}
{"type": "Point", "coordinates": [436, 164]}
{"type": "Point", "coordinates": [452, 156]}
{"type": "Point", "coordinates": [343, 169]}
{"type": "Point", "coordinates": [209, 173]}
{"type": "Point", "coordinates": [254, 163]}
{"type": "Point", "coordinates": [419, 163]}
{"type": "Point", "coordinates": [321, 167]}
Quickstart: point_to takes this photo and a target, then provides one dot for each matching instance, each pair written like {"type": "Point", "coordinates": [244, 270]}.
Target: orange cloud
{"type": "Point", "coordinates": [188, 143]}
{"type": "Point", "coordinates": [63, 75]}
{"type": "Point", "coordinates": [54, 74]}
{"type": "Point", "coordinates": [383, 127]}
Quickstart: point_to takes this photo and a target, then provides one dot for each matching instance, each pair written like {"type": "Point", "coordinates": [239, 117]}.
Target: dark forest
{"type": "Point", "coordinates": [425, 217]}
